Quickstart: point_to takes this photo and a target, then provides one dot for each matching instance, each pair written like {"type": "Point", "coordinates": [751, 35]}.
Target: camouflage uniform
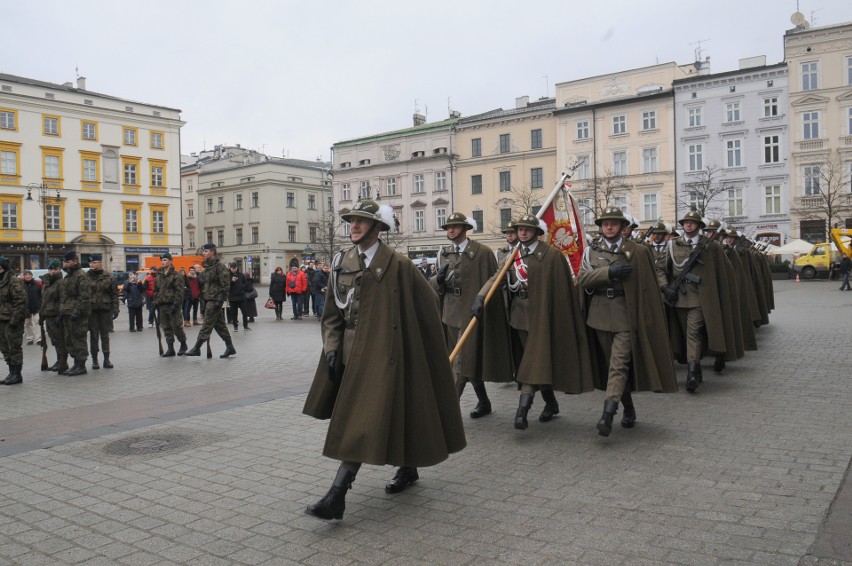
{"type": "Point", "coordinates": [13, 311]}
{"type": "Point", "coordinates": [104, 297]}
{"type": "Point", "coordinates": [75, 306]}
{"type": "Point", "coordinates": [216, 280]}
{"type": "Point", "coordinates": [168, 296]}
{"type": "Point", "coordinates": [49, 315]}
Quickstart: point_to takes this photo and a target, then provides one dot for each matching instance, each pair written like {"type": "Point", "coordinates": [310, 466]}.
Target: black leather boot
{"type": "Point", "coordinates": [182, 350]}
{"type": "Point", "coordinates": [169, 353]}
{"type": "Point", "coordinates": [334, 503]}
{"type": "Point", "coordinates": [95, 361]}
{"type": "Point", "coordinates": [79, 368]}
{"type": "Point", "coordinates": [551, 407]}
{"type": "Point", "coordinates": [229, 350]}
{"type": "Point", "coordinates": [629, 418]}
{"type": "Point", "coordinates": [195, 350]}
{"type": "Point", "coordinates": [63, 363]}
{"type": "Point", "coordinates": [692, 376]}
{"type": "Point", "coordinates": [524, 404]}
{"type": "Point", "coordinates": [605, 424]}
{"type": "Point", "coordinates": [14, 377]}
{"type": "Point", "coordinates": [11, 371]}
{"type": "Point", "coordinates": [107, 363]}
{"type": "Point", "coordinates": [483, 407]}
{"type": "Point", "coordinates": [719, 363]}
{"type": "Point", "coordinates": [404, 477]}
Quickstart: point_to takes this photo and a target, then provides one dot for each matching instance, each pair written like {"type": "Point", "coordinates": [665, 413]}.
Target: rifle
{"type": "Point", "coordinates": [44, 365]}
{"type": "Point", "coordinates": [686, 276]}
{"type": "Point", "coordinates": [650, 229]}
{"type": "Point", "coordinates": [157, 326]}
{"type": "Point", "coordinates": [209, 351]}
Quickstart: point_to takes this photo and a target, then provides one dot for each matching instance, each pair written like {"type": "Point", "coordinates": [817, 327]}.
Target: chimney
{"type": "Point", "coordinates": [748, 62]}
{"type": "Point", "coordinates": [522, 101]}
{"type": "Point", "coordinates": [67, 84]}
{"type": "Point", "coordinates": [81, 83]}
{"type": "Point", "coordinates": [419, 119]}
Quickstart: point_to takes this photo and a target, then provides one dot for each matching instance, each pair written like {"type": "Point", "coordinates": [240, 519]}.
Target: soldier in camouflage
{"type": "Point", "coordinates": [13, 311]}
{"type": "Point", "coordinates": [75, 304]}
{"type": "Point", "coordinates": [217, 282]}
{"type": "Point", "coordinates": [168, 296]}
{"type": "Point", "coordinates": [104, 296]}
{"type": "Point", "coordinates": [49, 314]}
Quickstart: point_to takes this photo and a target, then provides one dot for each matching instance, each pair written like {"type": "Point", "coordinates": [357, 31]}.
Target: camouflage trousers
{"type": "Point", "coordinates": [75, 337]}
{"type": "Point", "coordinates": [214, 319]}
{"type": "Point", "coordinates": [171, 322]}
{"type": "Point", "coordinates": [10, 342]}
{"type": "Point", "coordinates": [100, 323]}
{"type": "Point", "coordinates": [53, 326]}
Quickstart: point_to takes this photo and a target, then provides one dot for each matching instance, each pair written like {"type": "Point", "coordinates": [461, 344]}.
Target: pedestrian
{"type": "Point", "coordinates": [296, 286]}
{"type": "Point", "coordinates": [33, 289]}
{"type": "Point", "coordinates": [148, 285]}
{"type": "Point", "coordinates": [168, 297]}
{"type": "Point", "coordinates": [104, 296]}
{"type": "Point", "coordinates": [215, 288]}
{"type": "Point", "coordinates": [237, 297]}
{"type": "Point", "coordinates": [186, 302]}
{"type": "Point", "coordinates": [845, 268]}
{"type": "Point", "coordinates": [49, 315]}
{"type": "Point", "coordinates": [13, 311]}
{"type": "Point", "coordinates": [624, 316]}
{"type": "Point", "coordinates": [309, 292]}
{"type": "Point", "coordinates": [250, 306]}
{"type": "Point", "coordinates": [321, 287]}
{"type": "Point", "coordinates": [277, 292]}
{"type": "Point", "coordinates": [463, 267]}
{"type": "Point", "coordinates": [134, 298]}
{"type": "Point", "coordinates": [74, 306]}
{"type": "Point", "coordinates": [425, 268]}
{"type": "Point", "coordinates": [385, 380]}
{"type": "Point", "coordinates": [193, 283]}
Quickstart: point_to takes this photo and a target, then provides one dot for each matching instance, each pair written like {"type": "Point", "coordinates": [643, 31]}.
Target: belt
{"type": "Point", "coordinates": [521, 294]}
{"type": "Point", "coordinates": [452, 291]}
{"type": "Point", "coordinates": [609, 292]}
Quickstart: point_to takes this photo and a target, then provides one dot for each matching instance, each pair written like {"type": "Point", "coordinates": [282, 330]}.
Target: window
{"type": "Point", "coordinates": [255, 234]}
{"type": "Point", "coordinates": [619, 125]}
{"type": "Point", "coordinates": [130, 135]}
{"type": "Point", "coordinates": [90, 219]}
{"type": "Point", "coordinates": [809, 75]}
{"type": "Point", "coordinates": [505, 217]}
{"type": "Point", "coordinates": [345, 228]}
{"type": "Point", "coordinates": [696, 157]}
{"type": "Point", "coordinates": [364, 191]}
{"type": "Point", "coordinates": [191, 234]}
{"type": "Point", "coordinates": [694, 200]}
{"type": "Point", "coordinates": [255, 199]}
{"type": "Point", "coordinates": [734, 153]}
{"type": "Point", "coordinates": [189, 186]}
{"type": "Point", "coordinates": [238, 201]}
{"type": "Point", "coordinates": [535, 139]}
{"type": "Point", "coordinates": [419, 221]}
{"type": "Point", "coordinates": [587, 211]}
{"type": "Point", "coordinates": [649, 202]}
{"type": "Point", "coordinates": [649, 120]}
{"type": "Point", "coordinates": [51, 166]}
{"type": "Point", "coordinates": [312, 202]}
{"type": "Point", "coordinates": [51, 126]}
{"type": "Point", "coordinates": [735, 201]}
{"type": "Point", "coordinates": [810, 125]}
{"type": "Point", "coordinates": [441, 181]}
{"type": "Point", "coordinates": [131, 173]}
{"type": "Point", "coordinates": [291, 233]}
{"type": "Point", "coordinates": [536, 178]}
{"type": "Point", "coordinates": [189, 211]}
{"type": "Point", "coordinates": [390, 187]}
{"type": "Point", "coordinates": [772, 149]}
{"type": "Point", "coordinates": [505, 181]}
{"type": "Point", "coordinates": [582, 171]}
{"type": "Point", "coordinates": [770, 106]}
{"type": "Point", "coordinates": [732, 112]}
{"type": "Point", "coordinates": [772, 194]}
{"type": "Point", "coordinates": [583, 130]}
{"type": "Point", "coordinates": [693, 117]}
{"type": "Point", "coordinates": [220, 204]}
{"type": "Point", "coordinates": [158, 221]}
{"type": "Point", "coordinates": [238, 237]}
{"type": "Point", "coordinates": [418, 184]}
{"type": "Point", "coordinates": [90, 170]}
{"type": "Point", "coordinates": [312, 234]}
{"type": "Point", "coordinates": [476, 147]}
{"type": "Point", "coordinates": [505, 143]}
{"type": "Point", "coordinates": [812, 179]}
{"type": "Point", "coordinates": [849, 70]}
{"type": "Point", "coordinates": [8, 162]}
{"type": "Point", "coordinates": [131, 220]}
{"type": "Point", "coordinates": [53, 217]}
{"type": "Point", "coordinates": [620, 202]}
{"type": "Point", "coordinates": [649, 160]}
{"type": "Point", "coordinates": [440, 217]}
{"type": "Point", "coordinates": [476, 184]}
{"type": "Point", "coordinates": [10, 216]}
{"type": "Point", "coordinates": [157, 176]}
{"type": "Point", "coordinates": [344, 191]}
{"type": "Point", "coordinates": [619, 163]}
{"type": "Point", "coordinates": [156, 140]}
{"type": "Point", "coordinates": [477, 216]}
{"type": "Point", "coordinates": [291, 200]}
{"type": "Point", "coordinates": [849, 121]}
{"type": "Point", "coordinates": [220, 238]}
{"type": "Point", "coordinates": [8, 120]}
{"type": "Point", "coordinates": [209, 236]}
{"type": "Point", "coordinates": [89, 130]}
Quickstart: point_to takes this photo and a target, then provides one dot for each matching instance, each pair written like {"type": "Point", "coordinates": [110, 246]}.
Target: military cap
{"type": "Point", "coordinates": [509, 227]}
{"type": "Point", "coordinates": [612, 213]}
{"type": "Point", "coordinates": [54, 264]}
{"type": "Point", "coordinates": [70, 255]}
{"type": "Point", "coordinates": [457, 219]}
{"type": "Point", "coordinates": [96, 257]}
{"type": "Point", "coordinates": [528, 221]}
{"type": "Point", "coordinates": [713, 225]}
{"type": "Point", "coordinates": [4, 262]}
{"type": "Point", "coordinates": [693, 215]}
{"type": "Point", "coordinates": [209, 246]}
{"type": "Point", "coordinates": [166, 255]}
{"type": "Point", "coordinates": [660, 228]}
{"type": "Point", "coordinates": [369, 209]}
{"type": "Point", "coordinates": [632, 220]}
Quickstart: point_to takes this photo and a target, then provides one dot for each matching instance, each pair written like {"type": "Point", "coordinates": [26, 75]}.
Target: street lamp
{"type": "Point", "coordinates": [44, 199]}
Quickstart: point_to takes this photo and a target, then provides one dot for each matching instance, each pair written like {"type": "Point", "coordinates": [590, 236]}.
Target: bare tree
{"type": "Point", "coordinates": [330, 236]}
{"type": "Point", "coordinates": [702, 192]}
{"type": "Point", "coordinates": [828, 196]}
{"type": "Point", "coordinates": [596, 194]}
{"type": "Point", "coordinates": [519, 200]}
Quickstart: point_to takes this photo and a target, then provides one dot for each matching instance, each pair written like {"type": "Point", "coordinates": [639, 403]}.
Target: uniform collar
{"type": "Point", "coordinates": [370, 252]}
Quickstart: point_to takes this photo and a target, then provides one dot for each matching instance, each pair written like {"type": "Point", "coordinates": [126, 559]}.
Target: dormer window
{"type": "Point", "coordinates": [345, 165]}
{"type": "Point", "coordinates": [417, 154]}
{"type": "Point", "coordinates": [440, 150]}
{"type": "Point", "coordinates": [364, 162]}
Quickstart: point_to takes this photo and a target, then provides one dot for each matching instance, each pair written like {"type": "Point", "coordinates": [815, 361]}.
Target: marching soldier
{"type": "Point", "coordinates": [624, 315]}
{"type": "Point", "coordinates": [657, 243]}
{"type": "Point", "coordinates": [75, 305]}
{"type": "Point", "coordinates": [741, 281]}
{"type": "Point", "coordinates": [216, 280]}
{"type": "Point", "coordinates": [104, 296]}
{"type": "Point", "coordinates": [463, 267]}
{"type": "Point", "coordinates": [545, 315]}
{"type": "Point", "coordinates": [384, 380]}
{"type": "Point", "coordinates": [168, 297]}
{"type": "Point", "coordinates": [49, 314]}
{"type": "Point", "coordinates": [511, 235]}
{"type": "Point", "coordinates": [13, 311]}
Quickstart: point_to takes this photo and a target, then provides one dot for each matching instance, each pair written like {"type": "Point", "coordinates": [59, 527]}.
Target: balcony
{"type": "Point", "coordinates": [846, 141]}
{"type": "Point", "coordinates": [810, 145]}
{"type": "Point", "coordinates": [810, 202]}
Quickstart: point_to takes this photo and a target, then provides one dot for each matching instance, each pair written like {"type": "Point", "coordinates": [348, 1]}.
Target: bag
{"type": "Point", "coordinates": [293, 284]}
{"type": "Point", "coordinates": [270, 304]}
{"type": "Point", "coordinates": [251, 295]}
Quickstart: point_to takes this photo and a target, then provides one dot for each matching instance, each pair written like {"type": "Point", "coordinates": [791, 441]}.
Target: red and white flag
{"type": "Point", "coordinates": [564, 225]}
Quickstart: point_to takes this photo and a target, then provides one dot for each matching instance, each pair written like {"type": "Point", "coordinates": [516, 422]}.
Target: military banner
{"type": "Point", "coordinates": [564, 225]}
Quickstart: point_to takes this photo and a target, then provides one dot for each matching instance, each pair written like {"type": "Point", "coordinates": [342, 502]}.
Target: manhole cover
{"type": "Point", "coordinates": [148, 444]}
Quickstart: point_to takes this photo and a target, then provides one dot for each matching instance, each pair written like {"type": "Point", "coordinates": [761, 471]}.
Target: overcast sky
{"type": "Point", "coordinates": [295, 77]}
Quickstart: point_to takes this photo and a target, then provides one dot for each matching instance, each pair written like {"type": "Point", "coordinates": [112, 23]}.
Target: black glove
{"type": "Point", "coordinates": [442, 275]}
{"type": "Point", "coordinates": [619, 271]}
{"type": "Point", "coordinates": [670, 294]}
{"type": "Point", "coordinates": [13, 323]}
{"type": "Point", "coordinates": [478, 307]}
{"type": "Point", "coordinates": [331, 360]}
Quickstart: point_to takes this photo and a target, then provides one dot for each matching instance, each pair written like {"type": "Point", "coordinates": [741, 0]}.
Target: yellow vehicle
{"type": "Point", "coordinates": [824, 256]}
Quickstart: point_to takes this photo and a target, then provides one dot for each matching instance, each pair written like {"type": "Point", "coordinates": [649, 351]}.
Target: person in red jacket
{"type": "Point", "coordinates": [295, 286]}
{"type": "Point", "coordinates": [148, 290]}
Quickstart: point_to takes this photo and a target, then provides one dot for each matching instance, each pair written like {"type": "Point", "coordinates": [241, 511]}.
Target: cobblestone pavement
{"type": "Point", "coordinates": [196, 461]}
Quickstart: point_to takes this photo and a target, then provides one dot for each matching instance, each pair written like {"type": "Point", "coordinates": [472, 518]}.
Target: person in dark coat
{"type": "Point", "coordinates": [33, 289]}
{"type": "Point", "coordinates": [320, 288]}
{"type": "Point", "coordinates": [134, 297]}
{"type": "Point", "coordinates": [277, 291]}
{"type": "Point", "coordinates": [237, 297]}
{"type": "Point", "coordinates": [250, 306]}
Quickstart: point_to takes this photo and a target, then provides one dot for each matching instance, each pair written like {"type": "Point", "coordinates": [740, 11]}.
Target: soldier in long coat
{"type": "Point", "coordinates": [744, 288]}
{"type": "Point", "coordinates": [545, 314]}
{"type": "Point", "coordinates": [216, 282]}
{"type": "Point", "coordinates": [104, 296]}
{"type": "Point", "coordinates": [624, 315]}
{"type": "Point", "coordinates": [49, 314]}
{"type": "Point", "coordinates": [13, 311]}
{"type": "Point", "coordinates": [463, 267]}
{"type": "Point", "coordinates": [168, 297]}
{"type": "Point", "coordinates": [385, 379]}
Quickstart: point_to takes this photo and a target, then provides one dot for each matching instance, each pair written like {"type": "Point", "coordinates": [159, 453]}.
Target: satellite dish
{"type": "Point", "coordinates": [798, 19]}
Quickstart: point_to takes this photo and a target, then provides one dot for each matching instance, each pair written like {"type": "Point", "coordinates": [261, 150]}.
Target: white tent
{"type": "Point", "coordinates": [793, 247]}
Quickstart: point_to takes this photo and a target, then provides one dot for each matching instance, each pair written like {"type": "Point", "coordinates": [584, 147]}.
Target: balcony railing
{"type": "Point", "coordinates": [810, 202]}
{"type": "Point", "coordinates": [809, 145]}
